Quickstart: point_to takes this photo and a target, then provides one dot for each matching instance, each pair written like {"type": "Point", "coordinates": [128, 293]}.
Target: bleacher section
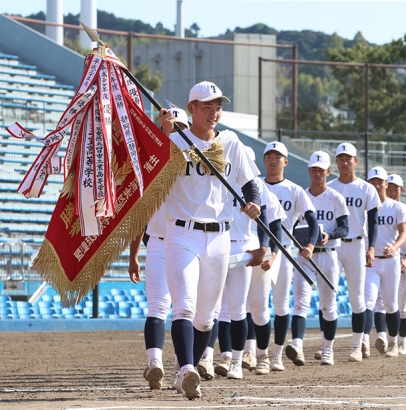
{"type": "Point", "coordinates": [36, 101]}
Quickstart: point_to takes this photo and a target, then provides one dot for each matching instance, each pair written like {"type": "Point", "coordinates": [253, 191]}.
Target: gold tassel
{"type": "Point", "coordinates": [48, 265]}
{"type": "Point", "coordinates": [215, 154]}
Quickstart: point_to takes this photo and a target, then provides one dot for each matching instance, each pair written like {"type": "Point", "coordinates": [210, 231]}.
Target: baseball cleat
{"type": "Point", "coordinates": [295, 354]}
{"type": "Point", "coordinates": [262, 366]}
{"type": "Point", "coordinates": [392, 350]}
{"type": "Point", "coordinates": [327, 356]}
{"type": "Point", "coordinates": [235, 371]}
{"type": "Point", "coordinates": [191, 385]}
{"type": "Point", "coordinates": [249, 361]}
{"type": "Point", "coordinates": [381, 345]}
{"type": "Point", "coordinates": [356, 354]}
{"type": "Point", "coordinates": [205, 368]}
{"type": "Point", "coordinates": [402, 348]}
{"type": "Point", "coordinates": [155, 375]}
{"type": "Point", "coordinates": [277, 364]}
{"type": "Point", "coordinates": [223, 367]}
{"type": "Point", "coordinates": [365, 349]}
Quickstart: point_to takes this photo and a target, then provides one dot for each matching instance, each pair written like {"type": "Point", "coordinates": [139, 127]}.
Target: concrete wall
{"type": "Point", "coordinates": [233, 68]}
{"type": "Point", "coordinates": [36, 49]}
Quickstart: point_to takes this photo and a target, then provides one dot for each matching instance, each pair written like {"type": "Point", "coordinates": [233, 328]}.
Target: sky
{"type": "Point", "coordinates": [379, 21]}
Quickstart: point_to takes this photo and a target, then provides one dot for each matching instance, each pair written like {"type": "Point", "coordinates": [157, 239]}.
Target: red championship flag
{"type": "Point", "coordinates": [119, 168]}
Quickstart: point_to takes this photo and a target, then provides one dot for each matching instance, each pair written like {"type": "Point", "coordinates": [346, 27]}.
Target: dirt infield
{"type": "Point", "coordinates": [103, 370]}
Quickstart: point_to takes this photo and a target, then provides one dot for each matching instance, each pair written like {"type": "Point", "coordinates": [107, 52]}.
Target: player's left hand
{"type": "Point", "coordinates": [370, 257]}
{"type": "Point", "coordinates": [268, 264]}
{"type": "Point", "coordinates": [252, 210]}
{"type": "Point", "coordinates": [389, 251]}
{"type": "Point", "coordinates": [257, 256]}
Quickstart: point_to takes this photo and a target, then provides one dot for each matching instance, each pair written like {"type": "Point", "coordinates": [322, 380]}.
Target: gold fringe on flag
{"type": "Point", "coordinates": [215, 154]}
{"type": "Point", "coordinates": [47, 261]}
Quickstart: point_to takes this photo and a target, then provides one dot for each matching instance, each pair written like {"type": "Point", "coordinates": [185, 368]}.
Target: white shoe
{"type": "Point", "coordinates": [402, 348]}
{"type": "Point", "coordinates": [392, 350]}
{"type": "Point", "coordinates": [277, 364]}
{"type": "Point", "coordinates": [327, 356]}
{"type": "Point", "coordinates": [235, 371]}
{"type": "Point", "coordinates": [381, 345]}
{"type": "Point", "coordinates": [262, 366]}
{"type": "Point", "coordinates": [155, 375]}
{"type": "Point", "coordinates": [205, 368]}
{"type": "Point", "coordinates": [365, 349]}
{"type": "Point", "coordinates": [174, 378]}
{"type": "Point", "coordinates": [295, 354]}
{"type": "Point", "coordinates": [223, 367]}
{"type": "Point", "coordinates": [356, 354]}
{"type": "Point", "coordinates": [249, 361]}
{"type": "Point", "coordinates": [191, 385]}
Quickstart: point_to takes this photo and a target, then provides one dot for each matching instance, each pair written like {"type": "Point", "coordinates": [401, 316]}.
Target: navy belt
{"type": "Point", "coordinates": [205, 227]}
{"type": "Point", "coordinates": [351, 240]}
{"type": "Point", "coordinates": [382, 257]}
{"type": "Point", "coordinates": [321, 250]}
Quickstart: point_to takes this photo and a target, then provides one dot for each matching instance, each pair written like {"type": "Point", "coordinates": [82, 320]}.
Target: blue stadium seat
{"type": "Point", "coordinates": [117, 291]}
{"type": "Point", "coordinates": [124, 309]}
{"type": "Point", "coordinates": [137, 312]}
{"type": "Point", "coordinates": [106, 309]}
{"type": "Point", "coordinates": [142, 304]}
{"type": "Point", "coordinates": [137, 292]}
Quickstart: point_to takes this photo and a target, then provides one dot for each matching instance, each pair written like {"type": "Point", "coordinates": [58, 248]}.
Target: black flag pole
{"type": "Point", "coordinates": [94, 36]}
{"type": "Point", "coordinates": [318, 270]}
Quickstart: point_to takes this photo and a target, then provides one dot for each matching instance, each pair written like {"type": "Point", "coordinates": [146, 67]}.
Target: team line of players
{"type": "Point", "coordinates": [346, 223]}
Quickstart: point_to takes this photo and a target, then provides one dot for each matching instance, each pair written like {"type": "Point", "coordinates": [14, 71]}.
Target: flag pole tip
{"type": "Point", "coordinates": [93, 35]}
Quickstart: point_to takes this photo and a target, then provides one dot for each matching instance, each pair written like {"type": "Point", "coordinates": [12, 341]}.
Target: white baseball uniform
{"type": "Point", "coordinates": [239, 279]}
{"type": "Point", "coordinates": [360, 198]}
{"type": "Point", "coordinates": [197, 261]}
{"type": "Point", "coordinates": [329, 205]}
{"type": "Point", "coordinates": [384, 276]}
{"type": "Point", "coordinates": [159, 301]}
{"type": "Point", "coordinates": [294, 202]}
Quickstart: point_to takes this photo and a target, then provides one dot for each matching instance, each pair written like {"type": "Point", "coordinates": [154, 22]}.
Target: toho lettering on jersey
{"type": "Point", "coordinates": [202, 197]}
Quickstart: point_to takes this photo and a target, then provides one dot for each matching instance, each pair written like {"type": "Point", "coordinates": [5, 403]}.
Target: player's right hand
{"type": "Point", "coordinates": [307, 251]}
{"type": "Point", "coordinates": [257, 256]}
{"type": "Point", "coordinates": [167, 120]}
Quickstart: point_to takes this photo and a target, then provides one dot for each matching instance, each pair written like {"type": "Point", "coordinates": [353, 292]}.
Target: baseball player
{"type": "Point", "coordinates": [294, 202]}
{"type": "Point", "coordinates": [239, 279]}
{"type": "Point", "coordinates": [199, 211]}
{"type": "Point", "coordinates": [384, 276]}
{"type": "Point", "coordinates": [394, 190]}
{"type": "Point", "coordinates": [363, 203]}
{"type": "Point", "coordinates": [159, 301]}
{"type": "Point", "coordinates": [332, 213]}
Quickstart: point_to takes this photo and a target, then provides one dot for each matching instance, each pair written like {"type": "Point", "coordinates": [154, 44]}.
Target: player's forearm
{"type": "Point", "coordinates": [251, 193]}
{"type": "Point", "coordinates": [313, 227]}
{"type": "Point", "coordinates": [276, 228]}
{"type": "Point", "coordinates": [372, 218]}
{"type": "Point", "coordinates": [342, 228]}
{"type": "Point", "coordinates": [135, 247]}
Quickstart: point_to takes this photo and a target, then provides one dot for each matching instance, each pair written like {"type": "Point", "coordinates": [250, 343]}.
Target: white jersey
{"type": "Point", "coordinates": [201, 197]}
{"type": "Point", "coordinates": [390, 216]}
{"type": "Point", "coordinates": [157, 224]}
{"type": "Point", "coordinates": [294, 202]}
{"type": "Point", "coordinates": [241, 228]}
{"type": "Point", "coordinates": [329, 205]}
{"type": "Point", "coordinates": [360, 197]}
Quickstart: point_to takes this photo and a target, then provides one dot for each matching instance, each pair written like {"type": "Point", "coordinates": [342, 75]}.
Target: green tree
{"type": "Point", "coordinates": [387, 88]}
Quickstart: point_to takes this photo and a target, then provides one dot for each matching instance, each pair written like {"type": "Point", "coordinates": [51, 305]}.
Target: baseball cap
{"type": "Point", "coordinates": [180, 115]}
{"type": "Point", "coordinates": [207, 91]}
{"type": "Point", "coordinates": [346, 148]}
{"type": "Point", "coordinates": [276, 146]}
{"type": "Point", "coordinates": [250, 152]}
{"type": "Point", "coordinates": [395, 179]}
{"type": "Point", "coordinates": [319, 159]}
{"type": "Point", "coordinates": [377, 172]}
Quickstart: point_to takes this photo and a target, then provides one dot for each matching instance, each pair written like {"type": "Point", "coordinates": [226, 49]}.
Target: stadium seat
{"type": "Point", "coordinates": [137, 312]}
{"type": "Point", "coordinates": [117, 291]}
{"type": "Point", "coordinates": [124, 309]}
